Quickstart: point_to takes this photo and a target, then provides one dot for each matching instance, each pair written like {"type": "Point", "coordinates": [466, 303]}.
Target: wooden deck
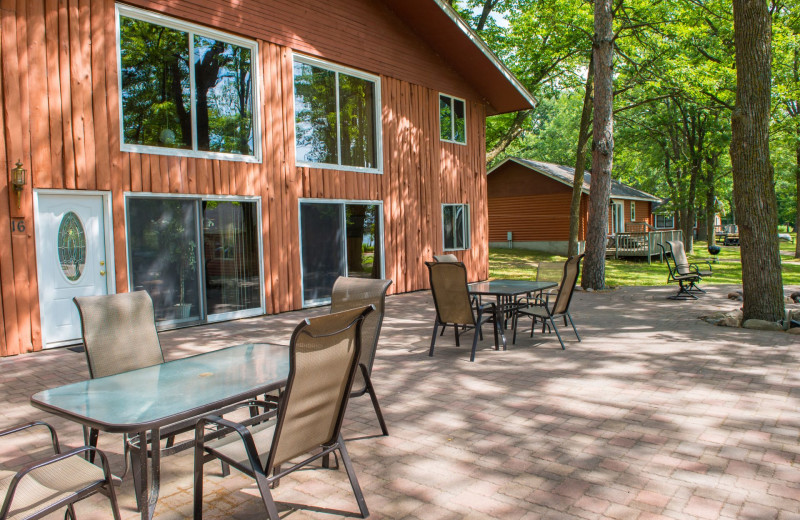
{"type": "Point", "coordinates": [641, 244]}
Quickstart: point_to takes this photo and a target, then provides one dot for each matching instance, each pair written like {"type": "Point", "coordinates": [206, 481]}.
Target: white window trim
{"type": "Point", "coordinates": [344, 202]}
{"type": "Point", "coordinates": [452, 119]}
{"type": "Point", "coordinates": [671, 219]}
{"type": "Point", "coordinates": [376, 80]}
{"type": "Point", "coordinates": [467, 230]}
{"type": "Point", "coordinates": [633, 211]}
{"type": "Point", "coordinates": [209, 318]}
{"type": "Point", "coordinates": [174, 23]}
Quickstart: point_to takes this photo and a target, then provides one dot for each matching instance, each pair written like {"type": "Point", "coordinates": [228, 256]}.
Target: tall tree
{"type": "Point", "coordinates": [602, 146]}
{"type": "Point", "coordinates": [753, 189]}
{"type": "Point", "coordinates": [580, 161]}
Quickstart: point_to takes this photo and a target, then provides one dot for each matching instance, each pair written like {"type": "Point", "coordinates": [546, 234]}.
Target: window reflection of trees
{"type": "Point", "coordinates": [317, 120]}
{"type": "Point", "coordinates": [156, 87]}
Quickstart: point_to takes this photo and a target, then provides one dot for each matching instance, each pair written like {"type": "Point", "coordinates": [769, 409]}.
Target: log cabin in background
{"type": "Point", "coordinates": [531, 201]}
{"type": "Point", "coordinates": [234, 158]}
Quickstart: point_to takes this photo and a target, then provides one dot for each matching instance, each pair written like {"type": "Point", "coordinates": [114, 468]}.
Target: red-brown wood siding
{"type": "Point", "coordinates": [60, 116]}
{"type": "Point", "coordinates": [532, 206]}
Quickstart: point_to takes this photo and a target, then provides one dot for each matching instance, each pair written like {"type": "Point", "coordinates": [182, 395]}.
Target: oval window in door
{"type": "Point", "coordinates": [71, 246]}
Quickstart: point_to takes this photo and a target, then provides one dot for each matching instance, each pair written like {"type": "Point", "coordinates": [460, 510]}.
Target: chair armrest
{"type": "Point", "coordinates": [53, 459]}
{"type": "Point", "coordinates": [227, 426]}
{"type": "Point", "coordinates": [22, 427]}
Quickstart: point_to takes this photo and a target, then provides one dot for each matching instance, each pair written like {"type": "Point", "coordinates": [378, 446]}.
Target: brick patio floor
{"type": "Point", "coordinates": [656, 414]}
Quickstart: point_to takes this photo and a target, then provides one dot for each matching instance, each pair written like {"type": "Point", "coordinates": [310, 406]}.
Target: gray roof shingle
{"type": "Point", "coordinates": [566, 175]}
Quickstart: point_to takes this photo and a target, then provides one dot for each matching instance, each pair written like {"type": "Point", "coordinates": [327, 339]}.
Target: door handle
{"type": "Point", "coordinates": [102, 273]}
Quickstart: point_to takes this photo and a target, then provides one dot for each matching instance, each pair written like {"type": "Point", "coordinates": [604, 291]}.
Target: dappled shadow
{"type": "Point", "coordinates": [654, 411]}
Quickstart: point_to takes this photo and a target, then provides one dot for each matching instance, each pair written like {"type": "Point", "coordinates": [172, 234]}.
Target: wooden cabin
{"type": "Point", "coordinates": [234, 158]}
{"type": "Point", "coordinates": [529, 204]}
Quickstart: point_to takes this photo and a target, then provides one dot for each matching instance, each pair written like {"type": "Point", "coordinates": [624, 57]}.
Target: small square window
{"type": "Point", "coordinates": [665, 221]}
{"type": "Point", "coordinates": [455, 226]}
{"type": "Point", "coordinates": [452, 119]}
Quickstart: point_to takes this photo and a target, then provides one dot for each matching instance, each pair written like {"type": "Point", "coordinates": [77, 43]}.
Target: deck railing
{"type": "Point", "coordinates": [643, 244]}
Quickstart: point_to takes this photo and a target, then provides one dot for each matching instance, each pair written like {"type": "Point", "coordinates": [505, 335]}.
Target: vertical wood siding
{"type": "Point", "coordinates": [60, 117]}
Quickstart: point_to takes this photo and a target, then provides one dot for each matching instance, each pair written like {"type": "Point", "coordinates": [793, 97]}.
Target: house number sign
{"type": "Point", "coordinates": [17, 225]}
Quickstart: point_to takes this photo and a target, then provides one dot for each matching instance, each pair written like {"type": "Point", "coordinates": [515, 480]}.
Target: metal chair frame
{"type": "Point", "coordinates": [541, 308]}
{"type": "Point", "coordinates": [105, 486]}
{"type": "Point", "coordinates": [687, 276]}
{"type": "Point", "coordinates": [481, 313]}
{"type": "Point", "coordinates": [340, 302]}
{"type": "Point", "coordinates": [254, 467]}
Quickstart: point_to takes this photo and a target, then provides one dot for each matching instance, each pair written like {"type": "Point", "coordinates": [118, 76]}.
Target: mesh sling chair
{"type": "Point", "coordinates": [119, 334]}
{"type": "Point", "coordinates": [683, 273]}
{"type": "Point", "coordinates": [323, 358]}
{"type": "Point", "coordinates": [44, 486]}
{"type": "Point", "coordinates": [351, 293]}
{"type": "Point", "coordinates": [542, 309]}
{"type": "Point", "coordinates": [445, 258]}
{"type": "Point", "coordinates": [453, 305]}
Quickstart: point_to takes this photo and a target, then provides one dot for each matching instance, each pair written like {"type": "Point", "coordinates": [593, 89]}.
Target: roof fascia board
{"type": "Point", "coordinates": [480, 44]}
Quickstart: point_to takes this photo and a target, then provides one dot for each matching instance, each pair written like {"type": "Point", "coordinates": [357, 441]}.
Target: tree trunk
{"type": "Point", "coordinates": [711, 206]}
{"type": "Point", "coordinates": [797, 196]}
{"type": "Point", "coordinates": [594, 272]}
{"type": "Point", "coordinates": [753, 189]}
{"type": "Point", "coordinates": [580, 164]}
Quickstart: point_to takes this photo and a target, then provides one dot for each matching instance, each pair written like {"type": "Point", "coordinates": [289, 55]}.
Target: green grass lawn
{"type": "Point", "coordinates": [519, 264]}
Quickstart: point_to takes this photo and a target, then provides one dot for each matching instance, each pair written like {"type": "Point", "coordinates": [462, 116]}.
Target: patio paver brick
{"type": "Point", "coordinates": [654, 415]}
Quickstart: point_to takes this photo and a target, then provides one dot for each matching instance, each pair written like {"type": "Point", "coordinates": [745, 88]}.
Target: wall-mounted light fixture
{"type": "Point", "coordinates": [18, 181]}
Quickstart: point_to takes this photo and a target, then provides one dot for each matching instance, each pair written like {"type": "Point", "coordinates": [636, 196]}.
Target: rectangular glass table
{"type": "Point", "coordinates": [141, 402]}
{"type": "Point", "coordinates": [506, 293]}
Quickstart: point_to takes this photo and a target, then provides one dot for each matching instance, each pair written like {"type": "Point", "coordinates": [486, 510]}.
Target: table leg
{"type": "Point", "coordinates": [147, 498]}
{"type": "Point", "coordinates": [499, 322]}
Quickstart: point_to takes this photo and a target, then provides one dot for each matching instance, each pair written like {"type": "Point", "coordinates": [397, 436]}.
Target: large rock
{"type": "Point", "coordinates": [724, 319]}
{"type": "Point", "coordinates": [795, 296]}
{"type": "Point", "coordinates": [762, 325]}
{"type": "Point", "coordinates": [795, 330]}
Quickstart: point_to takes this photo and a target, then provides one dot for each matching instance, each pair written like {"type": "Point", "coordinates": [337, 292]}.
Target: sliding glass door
{"type": "Point", "coordinates": [198, 259]}
{"type": "Point", "coordinates": [338, 239]}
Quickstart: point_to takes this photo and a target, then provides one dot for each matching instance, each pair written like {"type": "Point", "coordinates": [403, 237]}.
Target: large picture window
{"type": "Point", "coordinates": [337, 116]}
{"type": "Point", "coordinates": [452, 119]}
{"type": "Point", "coordinates": [455, 226]}
{"type": "Point", "coordinates": [184, 89]}
{"type": "Point", "coordinates": [197, 258]}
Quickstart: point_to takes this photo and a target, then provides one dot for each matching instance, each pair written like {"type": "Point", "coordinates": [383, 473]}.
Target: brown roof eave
{"type": "Point", "coordinates": [436, 23]}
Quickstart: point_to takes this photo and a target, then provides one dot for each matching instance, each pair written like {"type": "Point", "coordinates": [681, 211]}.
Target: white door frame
{"type": "Point", "coordinates": [108, 239]}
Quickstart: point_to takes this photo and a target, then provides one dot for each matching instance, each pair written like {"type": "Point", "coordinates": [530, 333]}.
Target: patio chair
{"type": "Point", "coordinates": [351, 293]}
{"type": "Point", "coordinates": [454, 306]}
{"type": "Point", "coordinates": [686, 275]}
{"type": "Point", "coordinates": [323, 356]}
{"type": "Point", "coordinates": [445, 258]}
{"type": "Point", "coordinates": [119, 335]}
{"type": "Point", "coordinates": [538, 308]}
{"type": "Point", "coordinates": [59, 480]}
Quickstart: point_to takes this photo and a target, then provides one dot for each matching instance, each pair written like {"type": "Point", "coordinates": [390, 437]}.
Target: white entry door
{"type": "Point", "coordinates": [71, 261]}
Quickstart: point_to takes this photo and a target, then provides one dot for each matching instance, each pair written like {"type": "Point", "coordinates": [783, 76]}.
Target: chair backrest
{"type": "Point", "coordinates": [323, 356]}
{"type": "Point", "coordinates": [445, 258]}
{"type": "Point", "coordinates": [549, 271]}
{"type": "Point", "coordinates": [679, 256]}
{"type": "Point", "coordinates": [119, 332]}
{"type": "Point", "coordinates": [450, 293]}
{"type": "Point", "coordinates": [572, 268]}
{"type": "Point", "coordinates": [353, 293]}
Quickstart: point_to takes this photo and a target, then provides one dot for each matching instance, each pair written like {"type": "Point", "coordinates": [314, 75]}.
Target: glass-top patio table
{"type": "Point", "coordinates": [506, 292]}
{"type": "Point", "coordinates": [147, 399]}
